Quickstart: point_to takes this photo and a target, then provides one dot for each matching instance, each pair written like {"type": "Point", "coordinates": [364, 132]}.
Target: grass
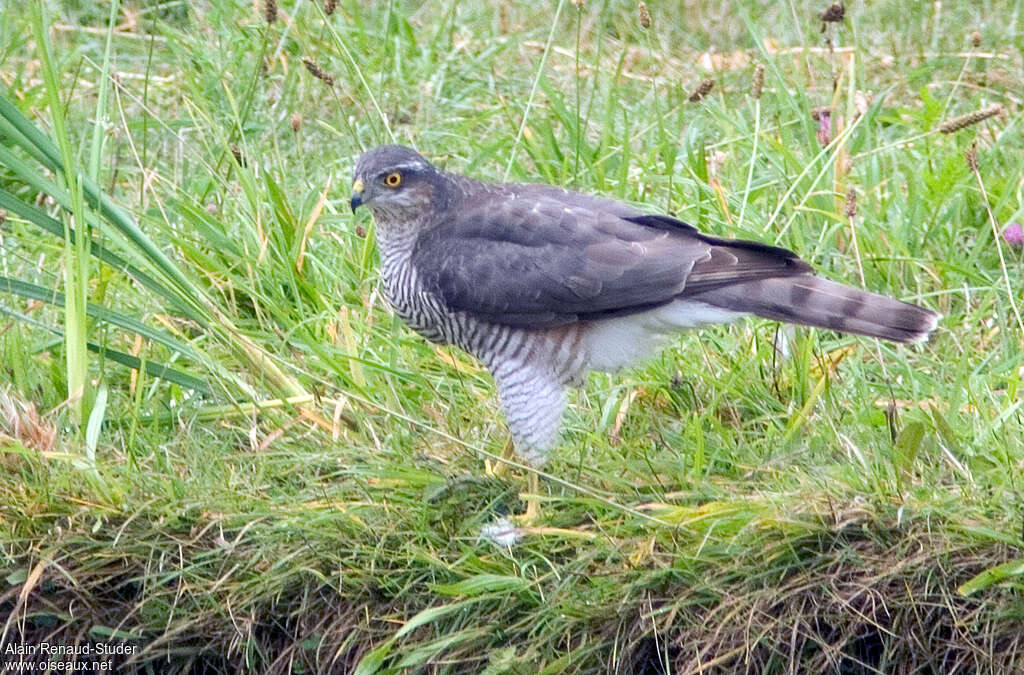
{"type": "Point", "coordinates": [267, 472]}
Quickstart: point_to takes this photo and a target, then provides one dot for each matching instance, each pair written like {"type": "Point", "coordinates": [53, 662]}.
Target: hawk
{"type": "Point", "coordinates": [544, 285]}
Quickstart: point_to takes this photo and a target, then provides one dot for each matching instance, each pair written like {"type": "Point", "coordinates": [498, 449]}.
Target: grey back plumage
{"type": "Point", "coordinates": [536, 258]}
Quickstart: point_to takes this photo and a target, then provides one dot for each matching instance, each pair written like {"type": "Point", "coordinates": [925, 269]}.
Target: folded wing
{"type": "Point", "coordinates": [544, 257]}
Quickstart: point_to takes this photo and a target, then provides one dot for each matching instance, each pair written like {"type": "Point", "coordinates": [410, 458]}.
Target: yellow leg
{"type": "Point", "coordinates": [498, 469]}
{"type": "Point", "coordinates": [532, 513]}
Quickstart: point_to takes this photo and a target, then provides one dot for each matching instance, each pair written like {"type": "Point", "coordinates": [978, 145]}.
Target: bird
{"type": "Point", "coordinates": [543, 285]}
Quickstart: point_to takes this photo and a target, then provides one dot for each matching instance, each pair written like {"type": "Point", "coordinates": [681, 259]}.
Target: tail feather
{"type": "Point", "coordinates": [813, 301]}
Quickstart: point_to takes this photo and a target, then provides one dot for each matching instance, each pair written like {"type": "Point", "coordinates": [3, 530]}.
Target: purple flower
{"type": "Point", "coordinates": [825, 128]}
{"type": "Point", "coordinates": [1014, 234]}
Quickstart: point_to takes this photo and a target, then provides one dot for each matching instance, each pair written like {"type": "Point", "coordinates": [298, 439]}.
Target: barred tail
{"type": "Point", "coordinates": [813, 301]}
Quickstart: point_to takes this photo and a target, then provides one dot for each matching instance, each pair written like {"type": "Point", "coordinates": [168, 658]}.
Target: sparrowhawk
{"type": "Point", "coordinates": [543, 285]}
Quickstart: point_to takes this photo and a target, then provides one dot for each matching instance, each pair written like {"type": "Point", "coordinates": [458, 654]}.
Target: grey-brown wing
{"type": "Point", "coordinates": [544, 258]}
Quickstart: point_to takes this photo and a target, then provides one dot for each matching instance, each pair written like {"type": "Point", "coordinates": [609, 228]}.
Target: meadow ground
{"type": "Point", "coordinates": [222, 453]}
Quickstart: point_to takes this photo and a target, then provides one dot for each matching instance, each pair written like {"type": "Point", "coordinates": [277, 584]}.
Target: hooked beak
{"type": "Point", "coordinates": [357, 194]}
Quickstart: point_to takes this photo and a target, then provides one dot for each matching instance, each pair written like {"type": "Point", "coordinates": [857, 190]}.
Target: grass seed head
{"type": "Point", "coordinates": [318, 72]}
{"type": "Point", "coordinates": [330, 6]}
{"type": "Point", "coordinates": [964, 121]}
{"type": "Point", "coordinates": [296, 122]}
{"type": "Point", "coordinates": [834, 13]}
{"type": "Point", "coordinates": [270, 10]}
{"type": "Point", "coordinates": [645, 16]}
{"type": "Point", "coordinates": [971, 155]}
{"type": "Point", "coordinates": [850, 205]}
{"type": "Point", "coordinates": [975, 38]}
{"type": "Point", "coordinates": [702, 90]}
{"type": "Point", "coordinates": [758, 85]}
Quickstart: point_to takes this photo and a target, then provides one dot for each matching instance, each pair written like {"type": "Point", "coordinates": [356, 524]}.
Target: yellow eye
{"type": "Point", "coordinates": [393, 179]}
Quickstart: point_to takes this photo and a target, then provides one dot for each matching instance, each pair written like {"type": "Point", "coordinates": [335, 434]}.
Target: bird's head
{"type": "Point", "coordinates": [393, 180]}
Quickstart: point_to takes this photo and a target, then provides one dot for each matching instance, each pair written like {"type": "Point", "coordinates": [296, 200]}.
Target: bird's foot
{"type": "Point", "coordinates": [498, 468]}
{"type": "Point", "coordinates": [532, 513]}
{"type": "Point", "coordinates": [530, 516]}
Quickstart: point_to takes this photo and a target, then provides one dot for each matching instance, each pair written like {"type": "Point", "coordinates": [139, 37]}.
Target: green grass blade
{"type": "Point", "coordinates": [34, 292]}
{"type": "Point", "coordinates": [152, 368]}
{"type": "Point", "coordinates": [1013, 569]}
{"type": "Point", "coordinates": [76, 257]}
{"type": "Point", "coordinates": [101, 202]}
{"type": "Point", "coordinates": [42, 220]}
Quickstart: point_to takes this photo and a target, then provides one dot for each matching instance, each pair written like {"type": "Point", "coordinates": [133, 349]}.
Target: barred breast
{"type": "Point", "coordinates": [531, 367]}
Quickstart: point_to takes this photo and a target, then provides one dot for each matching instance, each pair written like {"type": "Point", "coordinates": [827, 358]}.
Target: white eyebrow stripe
{"type": "Point", "coordinates": [408, 165]}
